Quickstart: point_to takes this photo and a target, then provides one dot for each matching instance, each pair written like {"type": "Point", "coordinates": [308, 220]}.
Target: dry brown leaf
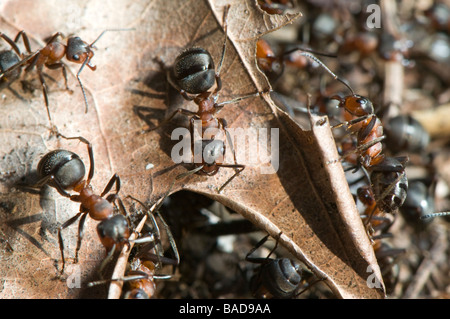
{"type": "Point", "coordinates": [307, 199]}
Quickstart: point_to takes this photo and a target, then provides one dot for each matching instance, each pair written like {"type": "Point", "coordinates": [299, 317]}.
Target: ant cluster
{"type": "Point", "coordinates": [373, 145]}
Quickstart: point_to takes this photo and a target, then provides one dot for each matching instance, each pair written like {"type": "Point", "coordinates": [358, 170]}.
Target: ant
{"type": "Point", "coordinates": [64, 170]}
{"type": "Point", "coordinates": [140, 277]}
{"type": "Point", "coordinates": [361, 120]}
{"type": "Point", "coordinates": [194, 73]}
{"type": "Point", "coordinates": [279, 278]}
{"type": "Point", "coordinates": [387, 174]}
{"type": "Point", "coordinates": [76, 50]}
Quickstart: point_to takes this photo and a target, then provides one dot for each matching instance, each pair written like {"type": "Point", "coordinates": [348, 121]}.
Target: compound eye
{"type": "Point", "coordinates": [364, 105]}
{"type": "Point", "coordinates": [362, 101]}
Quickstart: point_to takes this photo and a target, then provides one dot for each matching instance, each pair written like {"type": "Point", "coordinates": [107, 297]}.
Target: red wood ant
{"type": "Point", "coordinates": [140, 278]}
{"type": "Point", "coordinates": [280, 278]}
{"type": "Point", "coordinates": [194, 73]}
{"type": "Point", "coordinates": [76, 50]}
{"type": "Point", "coordinates": [64, 170]}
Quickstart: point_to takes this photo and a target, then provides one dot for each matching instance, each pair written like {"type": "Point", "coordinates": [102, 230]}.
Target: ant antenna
{"type": "Point", "coordinates": [435, 215]}
{"type": "Point", "coordinates": [225, 30]}
{"type": "Point", "coordinates": [307, 53]}
{"type": "Point", "coordinates": [104, 31]}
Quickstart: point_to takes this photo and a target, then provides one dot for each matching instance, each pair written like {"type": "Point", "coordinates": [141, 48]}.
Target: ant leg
{"type": "Point", "coordinates": [106, 260]}
{"type": "Point", "coordinates": [352, 122]}
{"type": "Point", "coordinates": [53, 37]}
{"type": "Point", "coordinates": [363, 147]}
{"type": "Point", "coordinates": [259, 244]}
{"type": "Point", "coordinates": [239, 168]}
{"type": "Point", "coordinates": [64, 71]}
{"type": "Point", "coordinates": [60, 239]}
{"type": "Point", "coordinates": [186, 96]}
{"type": "Point", "coordinates": [224, 47]}
{"type": "Point", "coordinates": [230, 141]}
{"type": "Point", "coordinates": [126, 278]}
{"type": "Point", "coordinates": [11, 43]}
{"type": "Point", "coordinates": [80, 236]}
{"type": "Point", "coordinates": [309, 286]}
{"type": "Point", "coordinates": [182, 111]}
{"type": "Point", "coordinates": [25, 40]}
{"type": "Point", "coordinates": [115, 179]}
{"type": "Point", "coordinates": [44, 91]}
{"type": "Point", "coordinates": [51, 178]}
{"type": "Point", "coordinates": [171, 240]}
{"type": "Point", "coordinates": [90, 152]}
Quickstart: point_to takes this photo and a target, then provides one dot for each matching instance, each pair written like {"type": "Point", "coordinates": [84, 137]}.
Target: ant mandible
{"type": "Point", "coordinates": [76, 50]}
{"type": "Point", "coordinates": [194, 73]}
{"type": "Point", "coordinates": [64, 170]}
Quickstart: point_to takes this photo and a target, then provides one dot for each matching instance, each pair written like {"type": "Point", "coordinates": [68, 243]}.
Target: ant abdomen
{"type": "Point", "coordinates": [7, 60]}
{"type": "Point", "coordinates": [194, 71]}
{"type": "Point", "coordinates": [66, 168]}
{"type": "Point", "coordinates": [279, 278]}
{"type": "Point", "coordinates": [406, 133]}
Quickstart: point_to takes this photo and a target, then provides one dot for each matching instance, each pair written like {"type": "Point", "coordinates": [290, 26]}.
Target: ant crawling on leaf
{"type": "Point", "coordinates": [193, 75]}
{"type": "Point", "coordinates": [50, 56]}
{"type": "Point", "coordinates": [141, 275]}
{"type": "Point", "coordinates": [65, 171]}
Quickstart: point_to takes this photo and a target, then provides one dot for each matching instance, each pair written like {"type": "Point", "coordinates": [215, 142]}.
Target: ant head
{"type": "Point", "coordinates": [66, 168]}
{"type": "Point", "coordinates": [194, 71]}
{"type": "Point", "coordinates": [78, 51]}
{"type": "Point", "coordinates": [358, 105]}
{"type": "Point", "coordinates": [114, 231]}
